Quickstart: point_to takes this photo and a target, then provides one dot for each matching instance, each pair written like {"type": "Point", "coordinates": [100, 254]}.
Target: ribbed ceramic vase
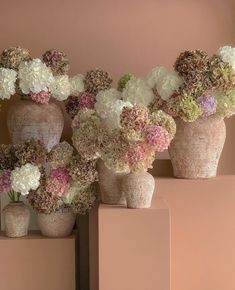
{"type": "Point", "coordinates": [138, 188]}
{"type": "Point", "coordinates": [57, 224]}
{"type": "Point", "coordinates": [109, 183]}
{"type": "Point", "coordinates": [16, 216]}
{"type": "Point", "coordinates": [27, 119]}
{"type": "Point", "coordinates": [195, 151]}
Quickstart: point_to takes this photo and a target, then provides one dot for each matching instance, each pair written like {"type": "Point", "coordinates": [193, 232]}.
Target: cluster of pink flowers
{"type": "Point", "coordinates": [5, 181]}
{"type": "Point", "coordinates": [157, 137]}
{"type": "Point", "coordinates": [86, 101]}
{"type": "Point", "coordinates": [41, 98]}
{"type": "Point", "coordinates": [59, 182]}
{"type": "Point", "coordinates": [208, 104]}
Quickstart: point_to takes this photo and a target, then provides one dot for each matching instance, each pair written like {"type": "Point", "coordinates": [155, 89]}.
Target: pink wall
{"type": "Point", "coordinates": [121, 36]}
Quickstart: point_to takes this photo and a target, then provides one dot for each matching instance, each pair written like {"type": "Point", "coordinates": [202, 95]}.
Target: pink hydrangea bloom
{"type": "Point", "coordinates": [157, 137]}
{"type": "Point", "coordinates": [59, 182]}
{"type": "Point", "coordinates": [135, 117]}
{"type": "Point", "coordinates": [208, 104]}
{"type": "Point", "coordinates": [41, 98]}
{"type": "Point", "coordinates": [5, 181]}
{"type": "Point", "coordinates": [86, 101]}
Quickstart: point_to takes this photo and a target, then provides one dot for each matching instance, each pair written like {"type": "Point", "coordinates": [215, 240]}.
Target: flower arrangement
{"type": "Point", "coordinates": [121, 129]}
{"type": "Point", "coordinates": [38, 79]}
{"type": "Point", "coordinates": [20, 169]}
{"type": "Point", "coordinates": [66, 182]}
{"type": "Point", "coordinates": [200, 86]}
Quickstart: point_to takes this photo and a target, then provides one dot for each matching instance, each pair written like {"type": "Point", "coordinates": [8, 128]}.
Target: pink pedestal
{"type": "Point", "coordinates": [130, 249]}
{"type": "Point", "coordinates": [37, 263]}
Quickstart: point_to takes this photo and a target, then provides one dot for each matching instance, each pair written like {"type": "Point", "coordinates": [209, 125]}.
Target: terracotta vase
{"type": "Point", "coordinates": [109, 183]}
{"type": "Point", "coordinates": [57, 224]}
{"type": "Point", "coordinates": [195, 151]}
{"type": "Point", "coordinates": [138, 188]}
{"type": "Point", "coordinates": [16, 216]}
{"type": "Point", "coordinates": [27, 119]}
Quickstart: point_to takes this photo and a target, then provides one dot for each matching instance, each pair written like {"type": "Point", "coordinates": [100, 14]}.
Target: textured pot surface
{"type": "Point", "coordinates": [138, 188]}
{"type": "Point", "coordinates": [195, 151]}
{"type": "Point", "coordinates": [57, 224]}
{"type": "Point", "coordinates": [16, 218]}
{"type": "Point", "coordinates": [109, 182]}
{"type": "Point", "coordinates": [27, 119]}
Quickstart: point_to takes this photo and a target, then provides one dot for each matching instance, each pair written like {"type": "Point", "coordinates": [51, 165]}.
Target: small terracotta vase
{"type": "Point", "coordinates": [58, 224]}
{"type": "Point", "coordinates": [138, 188]}
{"type": "Point", "coordinates": [27, 119]}
{"type": "Point", "coordinates": [16, 216]}
{"type": "Point", "coordinates": [109, 183]}
{"type": "Point", "coordinates": [195, 151]}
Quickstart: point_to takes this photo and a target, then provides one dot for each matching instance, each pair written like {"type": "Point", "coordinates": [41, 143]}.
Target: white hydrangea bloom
{"type": "Point", "coordinates": [60, 88]}
{"type": "Point", "coordinates": [74, 189]}
{"type": "Point", "coordinates": [138, 92]}
{"type": "Point", "coordinates": [227, 53]}
{"type": "Point", "coordinates": [104, 99]}
{"type": "Point", "coordinates": [7, 82]}
{"type": "Point", "coordinates": [34, 76]}
{"type": "Point", "coordinates": [25, 178]}
{"type": "Point", "coordinates": [76, 84]}
{"type": "Point", "coordinates": [112, 120]}
{"type": "Point", "coordinates": [167, 84]}
{"type": "Point", "coordinates": [155, 74]}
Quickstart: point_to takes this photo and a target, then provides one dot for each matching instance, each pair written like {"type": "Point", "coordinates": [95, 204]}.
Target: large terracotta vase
{"type": "Point", "coordinates": [138, 188]}
{"type": "Point", "coordinates": [109, 183]}
{"type": "Point", "coordinates": [27, 119]}
{"type": "Point", "coordinates": [58, 224]}
{"type": "Point", "coordinates": [16, 216]}
{"type": "Point", "coordinates": [195, 151]}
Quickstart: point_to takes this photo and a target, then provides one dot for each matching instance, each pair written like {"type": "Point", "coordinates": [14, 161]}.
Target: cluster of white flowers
{"type": "Point", "coordinates": [7, 83]}
{"type": "Point", "coordinates": [164, 82]}
{"type": "Point", "coordinates": [76, 84]}
{"type": "Point", "coordinates": [137, 91]}
{"type": "Point", "coordinates": [112, 120]}
{"type": "Point", "coordinates": [154, 75]}
{"type": "Point", "coordinates": [34, 76]}
{"type": "Point", "coordinates": [104, 99]}
{"type": "Point", "coordinates": [25, 178]}
{"type": "Point", "coordinates": [227, 53]}
{"type": "Point", "coordinates": [60, 88]}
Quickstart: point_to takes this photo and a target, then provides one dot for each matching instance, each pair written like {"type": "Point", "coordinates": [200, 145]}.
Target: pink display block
{"type": "Point", "coordinates": [37, 263]}
{"type": "Point", "coordinates": [130, 248]}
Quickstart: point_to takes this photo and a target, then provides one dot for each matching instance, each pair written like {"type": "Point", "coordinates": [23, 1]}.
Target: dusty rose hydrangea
{"type": "Point", "coordinates": [58, 182]}
{"type": "Point", "coordinates": [97, 80]}
{"type": "Point", "coordinates": [84, 200]}
{"type": "Point", "coordinates": [139, 157]}
{"type": "Point", "coordinates": [60, 155]}
{"type": "Point", "coordinates": [41, 97]}
{"type": "Point", "coordinates": [57, 61]}
{"type": "Point", "coordinates": [157, 137]}
{"type": "Point", "coordinates": [5, 181]}
{"type": "Point", "coordinates": [208, 104]}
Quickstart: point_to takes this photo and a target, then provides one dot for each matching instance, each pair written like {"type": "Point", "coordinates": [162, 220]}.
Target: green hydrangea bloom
{"type": "Point", "coordinates": [226, 103]}
{"type": "Point", "coordinates": [160, 118]}
{"type": "Point", "coordinates": [123, 81]}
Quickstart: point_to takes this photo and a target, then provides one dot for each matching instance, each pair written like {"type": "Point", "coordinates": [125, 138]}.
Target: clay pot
{"type": "Point", "coordinates": [195, 151]}
{"type": "Point", "coordinates": [16, 216]}
{"type": "Point", "coordinates": [57, 224]}
{"type": "Point", "coordinates": [109, 183]}
{"type": "Point", "coordinates": [27, 119]}
{"type": "Point", "coordinates": [138, 188]}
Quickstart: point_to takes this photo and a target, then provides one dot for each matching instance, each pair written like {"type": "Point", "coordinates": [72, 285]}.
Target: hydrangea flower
{"type": "Point", "coordinates": [208, 104]}
{"type": "Point", "coordinates": [138, 92]}
{"type": "Point", "coordinates": [60, 155]}
{"type": "Point", "coordinates": [7, 83]}
{"type": "Point", "coordinates": [59, 182]}
{"type": "Point", "coordinates": [76, 84]}
{"type": "Point", "coordinates": [41, 97]}
{"type": "Point", "coordinates": [5, 181]}
{"type": "Point", "coordinates": [13, 56]}
{"type": "Point", "coordinates": [227, 53]}
{"type": "Point", "coordinates": [155, 74]}
{"type": "Point", "coordinates": [25, 178]}
{"type": "Point", "coordinates": [57, 61]}
{"type": "Point", "coordinates": [84, 200]}
{"type": "Point", "coordinates": [226, 103]}
{"type": "Point", "coordinates": [124, 80]}
{"type": "Point", "coordinates": [157, 137]}
{"type": "Point", "coordinates": [34, 76]}
{"type": "Point", "coordinates": [60, 88]}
